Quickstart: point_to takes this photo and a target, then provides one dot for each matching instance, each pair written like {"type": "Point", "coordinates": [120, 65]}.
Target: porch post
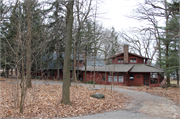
{"type": "Point", "coordinates": [149, 78]}
{"type": "Point", "coordinates": [158, 79]}
{"type": "Point", "coordinates": [124, 78]}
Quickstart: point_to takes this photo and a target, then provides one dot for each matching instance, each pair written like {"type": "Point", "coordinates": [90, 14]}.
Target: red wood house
{"type": "Point", "coordinates": [126, 69]}
{"type": "Point", "coordinates": [50, 70]}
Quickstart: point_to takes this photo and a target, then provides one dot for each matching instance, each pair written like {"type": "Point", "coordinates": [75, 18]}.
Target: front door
{"type": "Point", "coordinates": [146, 79]}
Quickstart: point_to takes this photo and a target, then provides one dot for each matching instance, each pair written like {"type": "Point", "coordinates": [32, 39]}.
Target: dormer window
{"type": "Point", "coordinates": [120, 60]}
{"type": "Point", "coordinates": [133, 60]}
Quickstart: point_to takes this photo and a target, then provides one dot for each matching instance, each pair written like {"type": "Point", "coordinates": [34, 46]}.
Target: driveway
{"type": "Point", "coordinates": [142, 105]}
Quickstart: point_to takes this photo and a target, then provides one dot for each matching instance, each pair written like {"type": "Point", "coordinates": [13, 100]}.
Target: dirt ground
{"type": "Point", "coordinates": [44, 101]}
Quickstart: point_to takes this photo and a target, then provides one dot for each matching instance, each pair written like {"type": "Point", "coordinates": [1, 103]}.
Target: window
{"type": "Point", "coordinates": [133, 60]}
{"type": "Point", "coordinates": [51, 72]}
{"type": "Point", "coordinates": [104, 78]}
{"type": "Point", "coordinates": [115, 78]}
{"type": "Point", "coordinates": [120, 78]}
{"type": "Point", "coordinates": [154, 78]}
{"type": "Point", "coordinates": [109, 78]}
{"type": "Point", "coordinates": [120, 60]}
{"type": "Point", "coordinates": [154, 75]}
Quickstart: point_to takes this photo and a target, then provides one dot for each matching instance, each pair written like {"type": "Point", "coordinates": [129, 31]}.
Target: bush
{"type": "Point", "coordinates": [3, 74]}
{"type": "Point", "coordinates": [90, 82]}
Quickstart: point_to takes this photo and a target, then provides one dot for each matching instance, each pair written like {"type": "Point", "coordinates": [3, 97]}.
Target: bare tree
{"type": "Point", "coordinates": [28, 65]}
{"type": "Point", "coordinates": [66, 68]}
{"type": "Point", "coordinates": [82, 13]}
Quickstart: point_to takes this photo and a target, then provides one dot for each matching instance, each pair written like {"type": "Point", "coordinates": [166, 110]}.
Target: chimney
{"type": "Point", "coordinates": [126, 57]}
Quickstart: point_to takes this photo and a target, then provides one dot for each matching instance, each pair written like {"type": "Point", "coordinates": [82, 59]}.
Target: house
{"type": "Point", "coordinates": [50, 71]}
{"type": "Point", "coordinates": [126, 69]}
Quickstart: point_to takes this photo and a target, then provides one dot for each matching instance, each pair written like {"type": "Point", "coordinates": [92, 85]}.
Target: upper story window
{"type": "Point", "coordinates": [133, 60]}
{"type": "Point", "coordinates": [120, 60]}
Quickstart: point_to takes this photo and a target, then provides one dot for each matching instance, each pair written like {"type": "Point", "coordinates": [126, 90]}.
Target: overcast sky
{"type": "Point", "coordinates": [116, 12]}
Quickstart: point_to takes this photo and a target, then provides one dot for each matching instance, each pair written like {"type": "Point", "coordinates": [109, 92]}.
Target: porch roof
{"type": "Point", "coordinates": [145, 68]}
{"type": "Point", "coordinates": [124, 68]}
{"type": "Point", "coordinates": [108, 68]}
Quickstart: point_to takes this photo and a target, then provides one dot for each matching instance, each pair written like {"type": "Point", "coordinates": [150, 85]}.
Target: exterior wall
{"type": "Point", "coordinates": [138, 79]}
{"type": "Point", "coordinates": [99, 78]}
{"type": "Point", "coordinates": [52, 77]}
{"type": "Point", "coordinates": [138, 59]}
{"type": "Point", "coordinates": [115, 60]}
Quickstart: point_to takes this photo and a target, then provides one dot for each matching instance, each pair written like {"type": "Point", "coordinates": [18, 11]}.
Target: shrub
{"type": "Point", "coordinates": [3, 74]}
{"type": "Point", "coordinates": [90, 82]}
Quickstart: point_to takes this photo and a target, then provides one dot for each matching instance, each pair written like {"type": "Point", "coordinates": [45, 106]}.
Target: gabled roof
{"type": "Point", "coordinates": [125, 68]}
{"type": "Point", "coordinates": [98, 61]}
{"type": "Point", "coordinates": [129, 54]}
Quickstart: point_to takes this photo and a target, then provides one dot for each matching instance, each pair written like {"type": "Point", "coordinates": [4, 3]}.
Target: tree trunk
{"type": "Point", "coordinates": [28, 65]}
{"type": "Point", "coordinates": [66, 68]}
{"type": "Point", "coordinates": [23, 88]}
{"type": "Point", "coordinates": [179, 52]}
{"type": "Point", "coordinates": [85, 62]}
{"type": "Point", "coordinates": [74, 59]}
{"type": "Point", "coordinates": [177, 74]}
{"type": "Point", "coordinates": [5, 60]}
{"type": "Point", "coordinates": [167, 46]}
{"type": "Point", "coordinates": [57, 61]}
{"type": "Point", "coordinates": [94, 44]}
{"type": "Point", "coordinates": [56, 27]}
{"type": "Point", "coordinates": [94, 68]}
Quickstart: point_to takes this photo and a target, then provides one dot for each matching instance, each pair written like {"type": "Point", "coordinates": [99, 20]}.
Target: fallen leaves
{"type": "Point", "coordinates": [44, 101]}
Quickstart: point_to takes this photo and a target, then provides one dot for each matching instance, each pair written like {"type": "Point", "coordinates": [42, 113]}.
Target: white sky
{"type": "Point", "coordinates": [116, 12]}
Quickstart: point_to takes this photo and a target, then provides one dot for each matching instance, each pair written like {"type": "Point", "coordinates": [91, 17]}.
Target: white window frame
{"type": "Point", "coordinates": [122, 60]}
{"type": "Point", "coordinates": [133, 60]}
{"type": "Point", "coordinates": [109, 78]}
{"type": "Point", "coordinates": [115, 78]}
{"type": "Point", "coordinates": [121, 78]}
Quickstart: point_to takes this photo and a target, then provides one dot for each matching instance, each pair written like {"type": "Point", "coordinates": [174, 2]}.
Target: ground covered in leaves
{"type": "Point", "coordinates": [44, 101]}
{"type": "Point", "coordinates": [172, 93]}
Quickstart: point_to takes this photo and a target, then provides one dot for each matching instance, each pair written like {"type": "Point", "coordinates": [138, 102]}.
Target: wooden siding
{"type": "Point", "coordinates": [99, 78]}
{"type": "Point", "coordinates": [139, 60]}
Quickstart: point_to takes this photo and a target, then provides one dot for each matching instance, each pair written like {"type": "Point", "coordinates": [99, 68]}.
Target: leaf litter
{"type": "Point", "coordinates": [44, 101]}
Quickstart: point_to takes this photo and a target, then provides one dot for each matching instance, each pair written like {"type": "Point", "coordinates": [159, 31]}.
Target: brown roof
{"type": "Point", "coordinates": [124, 68]}
{"type": "Point", "coordinates": [145, 68]}
{"type": "Point", "coordinates": [128, 53]}
{"type": "Point", "coordinates": [108, 68]}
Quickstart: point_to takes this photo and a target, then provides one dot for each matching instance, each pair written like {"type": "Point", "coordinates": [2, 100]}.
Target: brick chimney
{"type": "Point", "coordinates": [126, 57]}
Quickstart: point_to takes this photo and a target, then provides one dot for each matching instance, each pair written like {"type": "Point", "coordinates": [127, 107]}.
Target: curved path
{"type": "Point", "coordinates": [142, 106]}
